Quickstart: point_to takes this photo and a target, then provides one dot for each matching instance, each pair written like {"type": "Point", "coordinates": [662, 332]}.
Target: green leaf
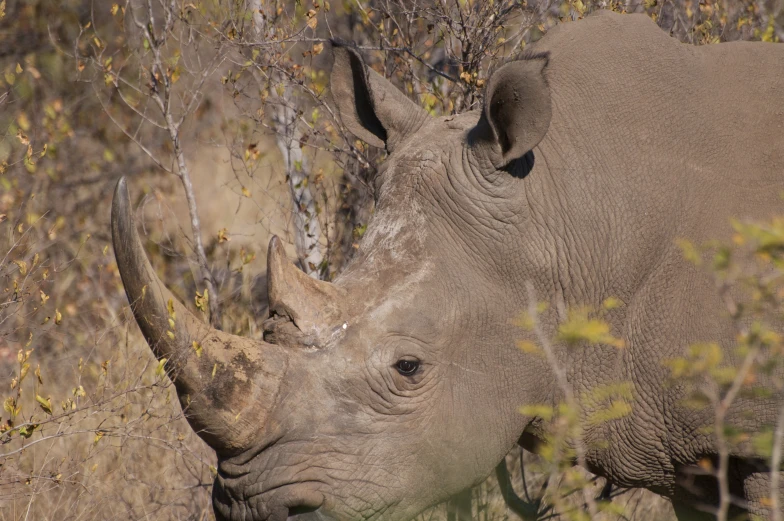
{"type": "Point", "coordinates": [25, 431]}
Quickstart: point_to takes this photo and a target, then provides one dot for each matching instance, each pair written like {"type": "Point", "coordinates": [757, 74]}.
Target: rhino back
{"type": "Point", "coordinates": [652, 140]}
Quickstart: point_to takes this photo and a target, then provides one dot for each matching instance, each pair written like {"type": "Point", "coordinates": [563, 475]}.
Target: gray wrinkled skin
{"type": "Point", "coordinates": [635, 140]}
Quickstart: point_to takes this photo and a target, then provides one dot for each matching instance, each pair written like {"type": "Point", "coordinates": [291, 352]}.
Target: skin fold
{"type": "Point", "coordinates": [593, 153]}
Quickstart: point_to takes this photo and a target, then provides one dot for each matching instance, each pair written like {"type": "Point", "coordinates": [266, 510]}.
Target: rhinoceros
{"type": "Point", "coordinates": [399, 384]}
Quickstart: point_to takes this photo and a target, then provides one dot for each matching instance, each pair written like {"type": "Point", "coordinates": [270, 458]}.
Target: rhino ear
{"type": "Point", "coordinates": [517, 109]}
{"type": "Point", "coordinates": [371, 107]}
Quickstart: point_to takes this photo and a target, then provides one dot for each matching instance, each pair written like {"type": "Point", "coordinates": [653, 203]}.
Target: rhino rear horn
{"type": "Point", "coordinates": [312, 304]}
{"type": "Point", "coordinates": [226, 384]}
{"type": "Point", "coordinates": [369, 105]}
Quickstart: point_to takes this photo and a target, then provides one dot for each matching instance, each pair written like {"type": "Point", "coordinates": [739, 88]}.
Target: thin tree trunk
{"type": "Point", "coordinates": [307, 228]}
{"type": "Point", "coordinates": [306, 224]}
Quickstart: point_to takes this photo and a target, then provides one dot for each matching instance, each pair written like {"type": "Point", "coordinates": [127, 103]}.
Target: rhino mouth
{"type": "Point", "coordinates": [307, 514]}
{"type": "Point", "coordinates": [299, 501]}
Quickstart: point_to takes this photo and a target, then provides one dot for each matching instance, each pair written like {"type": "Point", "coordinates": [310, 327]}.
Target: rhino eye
{"type": "Point", "coordinates": [407, 367]}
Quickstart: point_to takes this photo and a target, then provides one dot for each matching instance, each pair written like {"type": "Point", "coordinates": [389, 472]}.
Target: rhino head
{"type": "Point", "coordinates": [398, 385]}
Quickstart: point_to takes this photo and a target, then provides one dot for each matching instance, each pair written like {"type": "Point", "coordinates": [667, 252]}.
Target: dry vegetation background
{"type": "Point", "coordinates": [218, 112]}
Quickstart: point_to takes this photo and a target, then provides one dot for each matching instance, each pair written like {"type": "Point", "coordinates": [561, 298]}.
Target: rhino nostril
{"type": "Point", "coordinates": [281, 330]}
{"type": "Point", "coordinates": [304, 513]}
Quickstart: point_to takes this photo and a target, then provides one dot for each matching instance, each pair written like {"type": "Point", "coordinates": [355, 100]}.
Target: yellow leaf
{"type": "Point", "coordinates": [770, 32]}
{"type": "Point", "coordinates": [312, 22]}
{"type": "Point", "coordinates": [45, 403]}
{"type": "Point", "coordinates": [538, 411]}
{"type": "Point", "coordinates": [24, 121]}
{"type": "Point", "coordinates": [98, 436]}
{"type": "Point", "coordinates": [317, 48]}
{"type": "Point", "coordinates": [19, 69]}
{"type": "Point", "coordinates": [22, 267]}
{"type": "Point", "coordinates": [617, 409]}
{"type": "Point", "coordinates": [22, 137]}
{"type": "Point", "coordinates": [23, 371]}
{"type": "Point", "coordinates": [245, 192]}
{"type": "Point", "coordinates": [612, 303]}
{"type": "Point", "coordinates": [2, 9]}
{"type": "Point", "coordinates": [44, 297]}
{"type": "Point", "coordinates": [581, 328]}
{"type": "Point", "coordinates": [527, 346]}
{"type": "Point", "coordinates": [115, 8]}
{"type": "Point", "coordinates": [10, 406]}
{"type": "Point", "coordinates": [170, 308]}
{"type": "Point", "coordinates": [38, 374]}
{"type": "Point", "coordinates": [202, 300]}
{"type": "Point", "coordinates": [690, 251]}
{"type": "Point", "coordinates": [197, 347]}
{"type": "Point", "coordinates": [161, 369]}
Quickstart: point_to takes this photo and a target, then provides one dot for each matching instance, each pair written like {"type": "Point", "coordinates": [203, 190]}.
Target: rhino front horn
{"type": "Point", "coordinates": [226, 383]}
{"type": "Point", "coordinates": [313, 305]}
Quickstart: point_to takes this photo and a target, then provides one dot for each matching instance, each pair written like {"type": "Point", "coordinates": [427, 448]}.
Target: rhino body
{"type": "Point", "coordinates": [399, 385]}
